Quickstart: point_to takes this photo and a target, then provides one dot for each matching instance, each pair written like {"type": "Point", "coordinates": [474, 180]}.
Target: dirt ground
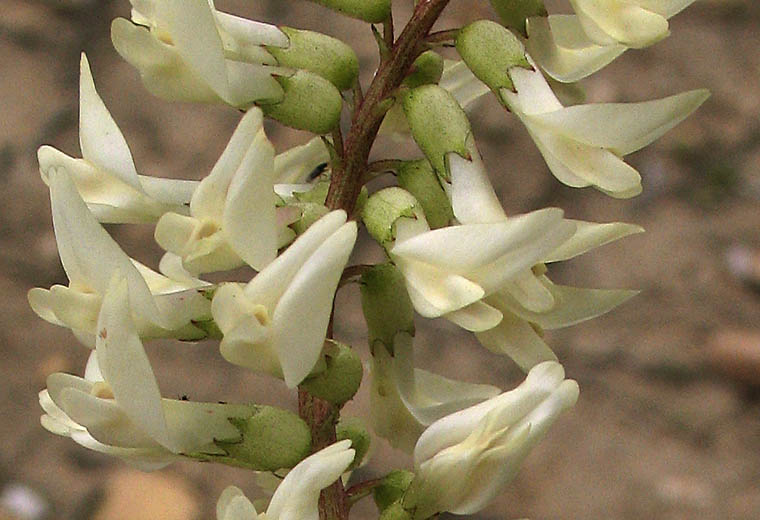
{"type": "Point", "coordinates": [668, 422]}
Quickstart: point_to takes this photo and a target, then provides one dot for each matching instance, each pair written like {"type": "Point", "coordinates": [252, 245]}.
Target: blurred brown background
{"type": "Point", "coordinates": [668, 423]}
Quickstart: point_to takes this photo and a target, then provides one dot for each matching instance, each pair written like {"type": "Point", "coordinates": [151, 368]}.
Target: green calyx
{"type": "Point", "coordinates": [270, 439]}
{"type": "Point", "coordinates": [427, 69]}
{"type": "Point", "coordinates": [323, 55]}
{"type": "Point", "coordinates": [372, 11]}
{"type": "Point", "coordinates": [395, 512]}
{"type": "Point", "coordinates": [387, 307]}
{"type": "Point", "coordinates": [341, 378]}
{"type": "Point", "coordinates": [419, 179]}
{"type": "Point", "coordinates": [354, 429]}
{"type": "Point", "coordinates": [490, 50]}
{"type": "Point", "coordinates": [513, 13]}
{"type": "Point", "coordinates": [439, 125]}
{"type": "Point", "coordinates": [390, 491]}
{"type": "Point", "coordinates": [310, 103]}
{"type": "Point", "coordinates": [384, 208]}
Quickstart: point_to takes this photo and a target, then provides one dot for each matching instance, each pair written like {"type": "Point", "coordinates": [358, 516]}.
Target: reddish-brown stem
{"type": "Point", "coordinates": [346, 181]}
{"type": "Point", "coordinates": [347, 177]}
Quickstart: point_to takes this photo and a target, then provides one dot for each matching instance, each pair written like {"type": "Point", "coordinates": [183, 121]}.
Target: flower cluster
{"type": "Point", "coordinates": [451, 250]}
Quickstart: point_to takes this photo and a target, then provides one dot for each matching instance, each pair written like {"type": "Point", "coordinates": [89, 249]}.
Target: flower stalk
{"type": "Point", "coordinates": [368, 114]}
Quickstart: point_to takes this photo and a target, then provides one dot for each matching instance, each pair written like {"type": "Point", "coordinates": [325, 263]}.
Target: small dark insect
{"type": "Point", "coordinates": [316, 172]}
{"type": "Point", "coordinates": [222, 402]}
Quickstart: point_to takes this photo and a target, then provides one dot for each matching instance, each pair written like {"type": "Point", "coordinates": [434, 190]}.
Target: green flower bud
{"type": "Point", "coordinates": [393, 487]}
{"type": "Point", "coordinates": [419, 179]}
{"type": "Point", "coordinates": [513, 13]}
{"type": "Point", "coordinates": [426, 70]}
{"type": "Point", "coordinates": [439, 125]}
{"type": "Point", "coordinates": [353, 428]}
{"type": "Point", "coordinates": [490, 50]}
{"type": "Point", "coordinates": [384, 208]}
{"type": "Point", "coordinates": [386, 305]}
{"type": "Point", "coordinates": [323, 55]}
{"type": "Point", "coordinates": [341, 378]}
{"type": "Point", "coordinates": [311, 103]}
{"type": "Point", "coordinates": [270, 439]}
{"type": "Point", "coordinates": [395, 512]}
{"type": "Point", "coordinates": [372, 11]}
{"type": "Point", "coordinates": [311, 212]}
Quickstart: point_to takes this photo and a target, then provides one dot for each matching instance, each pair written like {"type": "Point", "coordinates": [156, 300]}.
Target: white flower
{"type": "Point", "coordinates": [465, 459]}
{"type": "Point", "coordinates": [449, 271]}
{"type": "Point", "coordinates": [633, 23]}
{"type": "Point", "coordinates": [233, 220]}
{"type": "Point", "coordinates": [571, 47]}
{"type": "Point", "coordinates": [297, 497]}
{"type": "Point", "coordinates": [530, 300]}
{"type": "Point", "coordinates": [562, 49]}
{"type": "Point", "coordinates": [583, 144]}
{"type": "Point", "coordinates": [106, 176]}
{"type": "Point", "coordinates": [189, 51]}
{"type": "Point", "coordinates": [161, 307]}
{"type": "Point", "coordinates": [404, 400]}
{"type": "Point", "coordinates": [117, 407]}
{"type": "Point", "coordinates": [278, 321]}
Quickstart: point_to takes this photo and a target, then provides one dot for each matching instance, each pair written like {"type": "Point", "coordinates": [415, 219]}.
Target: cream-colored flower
{"type": "Point", "coordinates": [189, 51]}
{"type": "Point", "coordinates": [529, 301]}
{"type": "Point", "coordinates": [117, 407]}
{"type": "Point", "coordinates": [560, 46]}
{"type": "Point", "coordinates": [106, 176]}
{"type": "Point", "coordinates": [405, 400]}
{"type": "Point", "coordinates": [160, 306]}
{"type": "Point", "coordinates": [633, 23]}
{"type": "Point", "coordinates": [297, 496]}
{"type": "Point", "coordinates": [449, 271]}
{"type": "Point", "coordinates": [278, 321]}
{"type": "Point", "coordinates": [583, 144]}
{"type": "Point", "coordinates": [233, 220]}
{"type": "Point", "coordinates": [465, 459]}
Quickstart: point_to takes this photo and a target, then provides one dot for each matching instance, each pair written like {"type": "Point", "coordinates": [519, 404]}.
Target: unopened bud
{"type": "Point", "coordinates": [270, 439]}
{"type": "Point", "coordinates": [386, 306]}
{"type": "Point", "coordinates": [439, 125]}
{"type": "Point", "coordinates": [310, 103]}
{"type": "Point", "coordinates": [384, 208]}
{"type": "Point", "coordinates": [513, 13]}
{"type": "Point", "coordinates": [323, 55]}
{"type": "Point", "coordinates": [427, 69]}
{"type": "Point", "coordinates": [392, 488]}
{"type": "Point", "coordinates": [341, 378]}
{"type": "Point", "coordinates": [419, 179]}
{"type": "Point", "coordinates": [372, 11]}
{"type": "Point", "coordinates": [490, 50]}
{"type": "Point", "coordinates": [354, 429]}
{"type": "Point", "coordinates": [395, 512]}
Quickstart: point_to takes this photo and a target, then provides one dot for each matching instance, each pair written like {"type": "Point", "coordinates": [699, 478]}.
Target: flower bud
{"type": "Point", "coordinates": [395, 512]}
{"type": "Point", "coordinates": [372, 11]}
{"type": "Point", "coordinates": [310, 103]}
{"type": "Point", "coordinates": [339, 382]}
{"type": "Point", "coordinates": [392, 488]}
{"type": "Point", "coordinates": [270, 439]}
{"type": "Point", "coordinates": [513, 13]}
{"type": "Point", "coordinates": [438, 124]}
{"type": "Point", "coordinates": [427, 69]}
{"type": "Point", "coordinates": [384, 208]}
{"type": "Point", "coordinates": [323, 55]}
{"type": "Point", "coordinates": [490, 50]}
{"type": "Point", "coordinates": [419, 179]}
{"type": "Point", "coordinates": [353, 428]}
{"type": "Point", "coordinates": [386, 305]}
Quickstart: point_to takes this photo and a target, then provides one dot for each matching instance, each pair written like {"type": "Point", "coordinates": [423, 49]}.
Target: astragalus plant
{"type": "Point", "coordinates": [451, 251]}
